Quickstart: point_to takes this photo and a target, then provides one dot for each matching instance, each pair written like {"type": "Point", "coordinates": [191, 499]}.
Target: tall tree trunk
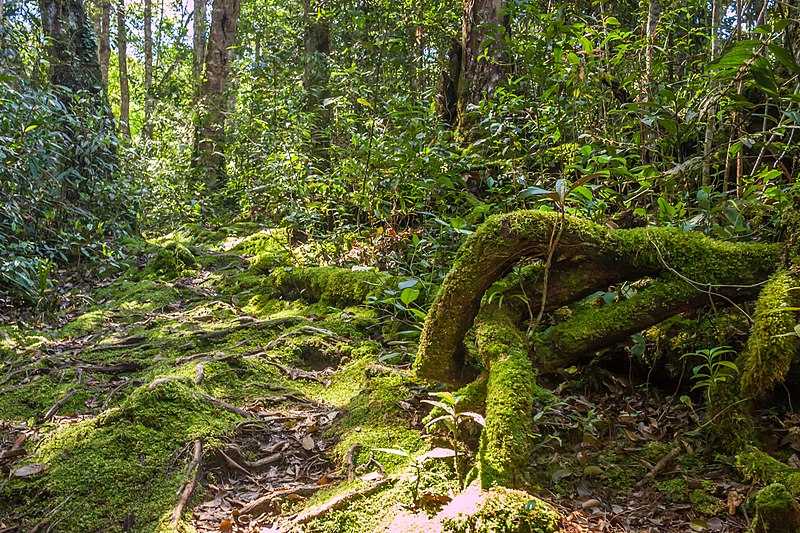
{"type": "Point", "coordinates": [199, 43]}
{"type": "Point", "coordinates": [485, 62]}
{"type": "Point", "coordinates": [122, 56]}
{"type": "Point", "coordinates": [653, 14]}
{"type": "Point", "coordinates": [74, 68]}
{"type": "Point", "coordinates": [104, 45]}
{"type": "Point", "coordinates": [447, 94]}
{"type": "Point", "coordinates": [316, 73]}
{"type": "Point", "coordinates": [147, 127]}
{"type": "Point", "coordinates": [708, 142]}
{"type": "Point", "coordinates": [209, 151]}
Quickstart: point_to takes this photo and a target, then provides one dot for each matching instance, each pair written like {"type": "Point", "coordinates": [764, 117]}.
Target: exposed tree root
{"type": "Point", "coordinates": [489, 254]}
{"type": "Point", "coordinates": [509, 398]}
{"type": "Point", "coordinates": [188, 487]}
{"type": "Point", "coordinates": [337, 502]}
{"type": "Point", "coordinates": [266, 503]}
{"type": "Point", "coordinates": [676, 271]}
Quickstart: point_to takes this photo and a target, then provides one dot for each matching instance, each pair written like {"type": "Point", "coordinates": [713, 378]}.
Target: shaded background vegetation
{"type": "Point", "coordinates": [333, 120]}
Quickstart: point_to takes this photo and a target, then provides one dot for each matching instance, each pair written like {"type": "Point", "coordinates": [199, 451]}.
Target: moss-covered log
{"type": "Point", "coordinates": [498, 244]}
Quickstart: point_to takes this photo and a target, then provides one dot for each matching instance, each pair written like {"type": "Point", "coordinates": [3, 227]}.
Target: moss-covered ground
{"type": "Point", "coordinates": [236, 339]}
{"type": "Point", "coordinates": [121, 383]}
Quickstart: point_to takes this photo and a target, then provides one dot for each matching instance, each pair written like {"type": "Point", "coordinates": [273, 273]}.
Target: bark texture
{"type": "Point", "coordinates": [104, 39]}
{"type": "Point", "coordinates": [447, 94]}
{"type": "Point", "coordinates": [485, 63]}
{"type": "Point", "coordinates": [199, 42]}
{"type": "Point", "coordinates": [209, 153]}
{"type": "Point", "coordinates": [316, 74]}
{"type": "Point", "coordinates": [122, 57]}
{"type": "Point", "coordinates": [147, 127]}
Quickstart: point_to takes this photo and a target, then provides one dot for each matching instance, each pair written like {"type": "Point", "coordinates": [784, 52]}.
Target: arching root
{"type": "Point", "coordinates": [679, 271]}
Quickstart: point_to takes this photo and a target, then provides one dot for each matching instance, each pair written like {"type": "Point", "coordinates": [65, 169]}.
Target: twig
{"type": "Point", "coordinates": [224, 405]}
{"type": "Point", "coordinates": [337, 502]}
{"type": "Point", "coordinates": [233, 463]}
{"type": "Point", "coordinates": [58, 405]}
{"type": "Point", "coordinates": [661, 464]}
{"type": "Point", "coordinates": [262, 504]}
{"type": "Point", "coordinates": [190, 483]}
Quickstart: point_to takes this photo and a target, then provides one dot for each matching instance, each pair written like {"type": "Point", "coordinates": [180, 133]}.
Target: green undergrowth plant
{"type": "Point", "coordinates": [714, 370]}
{"type": "Point", "coordinates": [451, 419]}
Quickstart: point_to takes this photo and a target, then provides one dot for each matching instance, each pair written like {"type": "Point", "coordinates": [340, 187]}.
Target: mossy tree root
{"type": "Point", "coordinates": [499, 243]}
{"type": "Point", "coordinates": [773, 343]}
{"type": "Point", "coordinates": [330, 285]}
{"type": "Point", "coordinates": [775, 505]}
{"type": "Point", "coordinates": [682, 271]}
{"type": "Point", "coordinates": [509, 398]}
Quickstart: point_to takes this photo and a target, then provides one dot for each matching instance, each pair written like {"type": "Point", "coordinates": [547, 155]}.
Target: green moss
{"type": "Point", "coordinates": [502, 240]}
{"type": "Point", "coordinates": [705, 503]}
{"type": "Point", "coordinates": [776, 511]}
{"type": "Point", "coordinates": [373, 416]}
{"type": "Point", "coordinates": [85, 323]}
{"type": "Point", "coordinates": [756, 465]}
{"type": "Point", "coordinates": [504, 510]}
{"type": "Point", "coordinates": [676, 490]}
{"type": "Point", "coordinates": [330, 285]}
{"type": "Point", "coordinates": [510, 388]}
{"type": "Point", "coordinates": [773, 344]}
{"type": "Point", "coordinates": [129, 297]}
{"type": "Point", "coordinates": [264, 242]}
{"type": "Point", "coordinates": [120, 465]}
{"type": "Point", "coordinates": [171, 260]}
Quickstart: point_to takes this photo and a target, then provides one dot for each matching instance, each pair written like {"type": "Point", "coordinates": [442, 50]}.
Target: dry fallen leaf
{"type": "Point", "coordinates": [308, 443]}
{"type": "Point", "coordinates": [30, 470]}
{"type": "Point", "coordinates": [226, 526]}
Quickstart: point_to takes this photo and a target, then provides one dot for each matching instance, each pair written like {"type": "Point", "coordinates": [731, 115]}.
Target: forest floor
{"type": "Point", "coordinates": [187, 393]}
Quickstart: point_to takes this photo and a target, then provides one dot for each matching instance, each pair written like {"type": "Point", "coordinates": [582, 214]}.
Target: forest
{"type": "Point", "coordinates": [462, 266]}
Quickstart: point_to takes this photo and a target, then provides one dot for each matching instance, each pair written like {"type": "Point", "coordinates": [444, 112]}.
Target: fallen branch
{"type": "Point", "coordinates": [188, 487]}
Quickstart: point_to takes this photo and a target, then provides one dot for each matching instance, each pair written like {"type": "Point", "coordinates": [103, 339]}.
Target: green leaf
{"type": "Point", "coordinates": [393, 451]}
{"type": "Point", "coordinates": [534, 191]}
{"type": "Point", "coordinates": [406, 283]}
{"type": "Point", "coordinates": [409, 295]}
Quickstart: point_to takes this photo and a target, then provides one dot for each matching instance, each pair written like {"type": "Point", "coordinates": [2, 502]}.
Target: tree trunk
{"type": "Point", "coordinates": [104, 47]}
{"type": "Point", "coordinates": [447, 94]}
{"type": "Point", "coordinates": [147, 127]}
{"type": "Point", "coordinates": [71, 48]}
{"type": "Point", "coordinates": [485, 59]}
{"type": "Point", "coordinates": [708, 141]}
{"type": "Point", "coordinates": [209, 152]}
{"type": "Point", "coordinates": [199, 43]}
{"type": "Point", "coordinates": [74, 68]}
{"type": "Point", "coordinates": [316, 73]}
{"type": "Point", "coordinates": [122, 56]}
